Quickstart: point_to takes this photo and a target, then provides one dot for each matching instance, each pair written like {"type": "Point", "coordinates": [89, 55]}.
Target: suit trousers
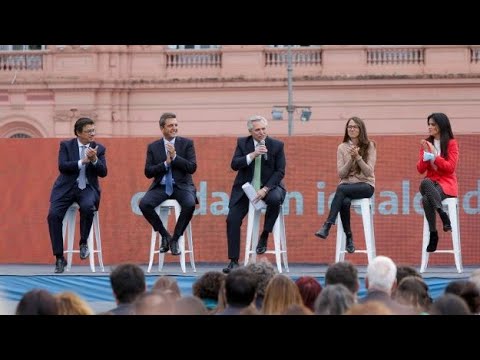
{"type": "Point", "coordinates": [156, 196]}
{"type": "Point", "coordinates": [87, 199]}
{"type": "Point", "coordinates": [239, 210]}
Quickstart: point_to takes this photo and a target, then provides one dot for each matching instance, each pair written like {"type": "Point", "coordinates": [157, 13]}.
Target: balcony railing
{"type": "Point", "coordinates": [308, 56]}
{"type": "Point", "coordinates": [193, 58]}
{"type": "Point", "coordinates": [389, 56]}
{"type": "Point", "coordinates": [21, 61]}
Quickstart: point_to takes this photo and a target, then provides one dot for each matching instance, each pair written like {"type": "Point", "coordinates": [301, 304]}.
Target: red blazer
{"type": "Point", "coordinates": [445, 174]}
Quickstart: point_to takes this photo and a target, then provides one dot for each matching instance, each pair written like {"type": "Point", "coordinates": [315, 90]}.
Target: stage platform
{"type": "Point", "coordinates": [16, 279]}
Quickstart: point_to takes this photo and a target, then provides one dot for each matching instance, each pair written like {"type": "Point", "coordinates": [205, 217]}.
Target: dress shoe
{"type": "Point", "coordinates": [447, 226]}
{"type": "Point", "coordinates": [60, 265]}
{"type": "Point", "coordinates": [432, 245]}
{"type": "Point", "coordinates": [174, 247]}
{"type": "Point", "coordinates": [323, 232]}
{"type": "Point", "coordinates": [84, 252]}
{"type": "Point", "coordinates": [349, 247]}
{"type": "Point", "coordinates": [165, 243]}
{"type": "Point", "coordinates": [233, 265]}
{"type": "Point", "coordinates": [262, 243]}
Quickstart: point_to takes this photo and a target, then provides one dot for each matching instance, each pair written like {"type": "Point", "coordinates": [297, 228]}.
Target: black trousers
{"type": "Point", "coordinates": [343, 200]}
{"type": "Point", "coordinates": [156, 196]}
{"type": "Point", "coordinates": [432, 197]}
{"type": "Point", "coordinates": [87, 199]}
{"type": "Point", "coordinates": [237, 212]}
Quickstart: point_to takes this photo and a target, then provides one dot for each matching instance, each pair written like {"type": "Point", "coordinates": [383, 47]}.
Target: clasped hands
{"type": "Point", "coordinates": [354, 152]}
{"type": "Point", "coordinates": [429, 151]}
{"type": "Point", "coordinates": [170, 153]}
{"type": "Point", "coordinates": [90, 155]}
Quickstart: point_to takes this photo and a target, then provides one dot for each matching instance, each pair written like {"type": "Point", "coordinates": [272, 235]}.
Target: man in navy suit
{"type": "Point", "coordinates": [77, 182]}
{"type": "Point", "coordinates": [171, 161]}
{"type": "Point", "coordinates": [271, 189]}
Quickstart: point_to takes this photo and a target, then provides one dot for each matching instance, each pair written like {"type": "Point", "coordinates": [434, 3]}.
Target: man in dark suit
{"type": "Point", "coordinates": [171, 161]}
{"type": "Point", "coordinates": [80, 161]}
{"type": "Point", "coordinates": [269, 154]}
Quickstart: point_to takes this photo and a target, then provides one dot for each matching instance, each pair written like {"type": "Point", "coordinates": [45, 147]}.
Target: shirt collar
{"type": "Point", "coordinates": [80, 144]}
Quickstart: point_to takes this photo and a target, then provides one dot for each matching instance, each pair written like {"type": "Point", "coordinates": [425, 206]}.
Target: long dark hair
{"type": "Point", "coordinates": [446, 133]}
{"type": "Point", "coordinates": [363, 141]}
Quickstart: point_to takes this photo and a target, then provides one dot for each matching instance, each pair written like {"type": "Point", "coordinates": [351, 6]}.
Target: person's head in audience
{"type": "Point", "coordinates": [381, 275]}
{"type": "Point", "coordinates": [334, 300]}
{"type": "Point", "coordinates": [37, 302]}
{"type": "Point", "coordinates": [449, 304]}
{"type": "Point", "coordinates": [153, 303]}
{"type": "Point", "coordinates": [475, 277]}
{"type": "Point", "coordinates": [345, 273]}
{"type": "Point", "coordinates": [404, 271]}
{"type": "Point", "coordinates": [189, 305]}
{"type": "Point", "coordinates": [240, 288]}
{"type": "Point", "coordinates": [468, 291]}
{"type": "Point", "coordinates": [70, 303]}
{"type": "Point", "coordinates": [127, 281]}
{"type": "Point", "coordinates": [207, 288]}
{"type": "Point", "coordinates": [264, 272]}
{"type": "Point", "coordinates": [309, 289]}
{"type": "Point", "coordinates": [369, 308]}
{"type": "Point", "coordinates": [168, 285]}
{"type": "Point", "coordinates": [281, 292]}
{"type": "Point", "coordinates": [413, 291]}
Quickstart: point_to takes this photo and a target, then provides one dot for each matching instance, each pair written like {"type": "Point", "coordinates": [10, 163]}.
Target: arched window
{"type": "Point", "coordinates": [20, 136]}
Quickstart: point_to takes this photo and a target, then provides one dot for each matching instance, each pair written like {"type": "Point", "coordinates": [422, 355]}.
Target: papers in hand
{"type": "Point", "coordinates": [251, 194]}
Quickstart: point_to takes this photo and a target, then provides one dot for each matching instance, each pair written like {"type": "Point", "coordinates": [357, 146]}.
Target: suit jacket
{"type": "Point", "coordinates": [273, 169]}
{"type": "Point", "coordinates": [68, 157]}
{"type": "Point", "coordinates": [184, 165]}
{"type": "Point", "coordinates": [445, 174]}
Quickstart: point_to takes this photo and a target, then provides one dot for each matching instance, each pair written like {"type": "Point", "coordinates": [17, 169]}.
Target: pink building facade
{"type": "Point", "coordinates": [44, 89]}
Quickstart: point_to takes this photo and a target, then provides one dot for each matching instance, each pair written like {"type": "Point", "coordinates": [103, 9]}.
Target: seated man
{"type": "Point", "coordinates": [260, 160]}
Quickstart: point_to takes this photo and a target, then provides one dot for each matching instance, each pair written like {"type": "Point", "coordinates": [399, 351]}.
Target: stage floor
{"type": "Point", "coordinates": [16, 279]}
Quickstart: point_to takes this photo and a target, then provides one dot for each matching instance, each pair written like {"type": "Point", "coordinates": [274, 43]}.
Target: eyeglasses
{"type": "Point", "coordinates": [91, 131]}
{"type": "Point", "coordinates": [352, 127]}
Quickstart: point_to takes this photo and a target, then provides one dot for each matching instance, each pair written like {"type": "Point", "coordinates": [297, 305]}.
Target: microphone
{"type": "Point", "coordinates": [265, 156]}
{"type": "Point", "coordinates": [93, 144]}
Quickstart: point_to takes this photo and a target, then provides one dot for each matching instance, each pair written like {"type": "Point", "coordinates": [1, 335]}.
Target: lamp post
{"type": "Point", "coordinates": [276, 113]}
{"type": "Point", "coordinates": [290, 107]}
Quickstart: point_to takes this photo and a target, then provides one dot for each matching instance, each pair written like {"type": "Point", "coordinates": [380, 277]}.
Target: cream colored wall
{"type": "Point", "coordinates": [126, 88]}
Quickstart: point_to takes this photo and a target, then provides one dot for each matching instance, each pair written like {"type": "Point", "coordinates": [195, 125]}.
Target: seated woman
{"type": "Point", "coordinates": [356, 157]}
{"type": "Point", "coordinates": [438, 158]}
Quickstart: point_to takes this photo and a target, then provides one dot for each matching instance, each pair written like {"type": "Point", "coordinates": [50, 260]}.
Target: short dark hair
{"type": "Point", "coordinates": [81, 123]}
{"type": "Point", "coordinates": [164, 117]}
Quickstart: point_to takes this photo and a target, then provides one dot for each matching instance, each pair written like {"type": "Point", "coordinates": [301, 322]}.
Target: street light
{"type": "Point", "coordinates": [277, 112]}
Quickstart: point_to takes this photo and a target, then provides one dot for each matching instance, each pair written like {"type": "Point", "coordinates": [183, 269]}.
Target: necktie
{"type": "Point", "coordinates": [169, 182]}
{"type": "Point", "coordinates": [82, 180]}
{"type": "Point", "coordinates": [257, 172]}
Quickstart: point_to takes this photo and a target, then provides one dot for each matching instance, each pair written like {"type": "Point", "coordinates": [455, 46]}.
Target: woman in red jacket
{"type": "Point", "coordinates": [438, 158]}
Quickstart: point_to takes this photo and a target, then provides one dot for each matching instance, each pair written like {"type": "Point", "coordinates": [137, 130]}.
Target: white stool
{"type": "Point", "coordinates": [163, 210]}
{"type": "Point", "coordinates": [451, 205]}
{"type": "Point", "coordinates": [279, 238]}
{"type": "Point", "coordinates": [366, 206]}
{"type": "Point", "coordinates": [69, 225]}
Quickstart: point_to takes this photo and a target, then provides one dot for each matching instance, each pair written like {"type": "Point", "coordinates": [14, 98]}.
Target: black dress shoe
{"type": "Point", "coordinates": [174, 247]}
{"type": "Point", "coordinates": [60, 265]}
{"type": "Point", "coordinates": [233, 265]}
{"type": "Point", "coordinates": [84, 252]}
{"type": "Point", "coordinates": [349, 247]}
{"type": "Point", "coordinates": [262, 243]}
{"type": "Point", "coordinates": [165, 243]}
{"type": "Point", "coordinates": [432, 245]}
{"type": "Point", "coordinates": [447, 226]}
{"type": "Point", "coordinates": [323, 232]}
